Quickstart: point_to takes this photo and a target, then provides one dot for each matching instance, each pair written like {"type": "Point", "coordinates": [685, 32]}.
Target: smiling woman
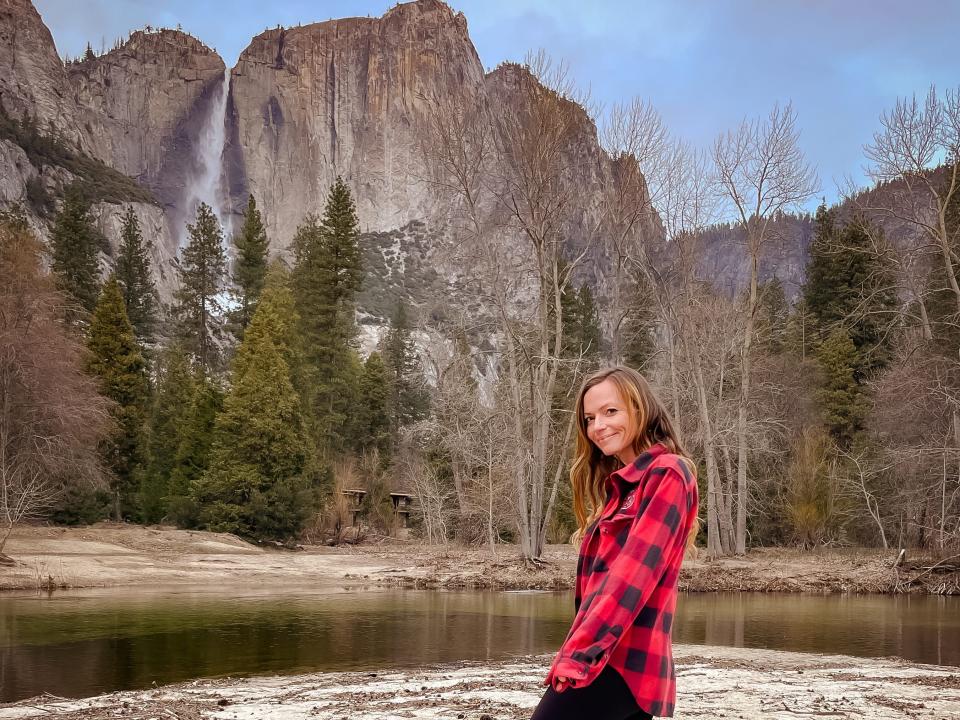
{"type": "Point", "coordinates": [635, 496]}
{"type": "Point", "coordinates": [610, 424]}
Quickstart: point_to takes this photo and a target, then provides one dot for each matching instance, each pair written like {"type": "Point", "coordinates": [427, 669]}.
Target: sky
{"type": "Point", "coordinates": [706, 65]}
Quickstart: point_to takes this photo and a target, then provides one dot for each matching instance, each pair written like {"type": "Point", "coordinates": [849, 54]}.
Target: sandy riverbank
{"type": "Point", "coordinates": [110, 554]}
{"type": "Point", "coordinates": [712, 683]}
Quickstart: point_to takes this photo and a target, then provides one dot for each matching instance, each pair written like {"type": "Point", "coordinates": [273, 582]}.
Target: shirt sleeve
{"type": "Point", "coordinates": [654, 538]}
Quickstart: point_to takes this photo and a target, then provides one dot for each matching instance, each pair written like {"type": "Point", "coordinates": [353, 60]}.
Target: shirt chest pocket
{"type": "Point", "coordinates": [614, 531]}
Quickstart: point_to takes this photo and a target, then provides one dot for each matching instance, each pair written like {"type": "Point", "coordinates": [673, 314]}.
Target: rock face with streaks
{"type": "Point", "coordinates": [142, 105]}
{"type": "Point", "coordinates": [346, 97]}
{"type": "Point", "coordinates": [351, 97]}
{"type": "Point", "coordinates": [137, 109]}
{"type": "Point", "coordinates": [33, 80]}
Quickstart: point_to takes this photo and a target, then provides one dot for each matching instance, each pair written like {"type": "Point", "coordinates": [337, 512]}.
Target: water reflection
{"type": "Point", "coordinates": [83, 643]}
{"type": "Point", "coordinates": [918, 628]}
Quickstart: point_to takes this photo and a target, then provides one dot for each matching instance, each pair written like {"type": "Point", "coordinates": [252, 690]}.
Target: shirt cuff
{"type": "Point", "coordinates": [576, 673]}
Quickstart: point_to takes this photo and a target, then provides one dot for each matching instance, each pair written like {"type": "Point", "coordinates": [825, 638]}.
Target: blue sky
{"type": "Point", "coordinates": [704, 64]}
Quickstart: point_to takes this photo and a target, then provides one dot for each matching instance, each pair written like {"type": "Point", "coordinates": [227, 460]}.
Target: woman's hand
{"type": "Point", "coordinates": [561, 683]}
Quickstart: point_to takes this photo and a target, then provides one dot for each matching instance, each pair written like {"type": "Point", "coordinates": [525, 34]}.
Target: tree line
{"type": "Point", "coordinates": [824, 414]}
{"type": "Point", "coordinates": [818, 415]}
{"type": "Point", "coordinates": [227, 410]}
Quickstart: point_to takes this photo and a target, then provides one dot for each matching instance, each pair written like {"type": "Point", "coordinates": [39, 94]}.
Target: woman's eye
{"type": "Point", "coordinates": [589, 420]}
{"type": "Point", "coordinates": [611, 411]}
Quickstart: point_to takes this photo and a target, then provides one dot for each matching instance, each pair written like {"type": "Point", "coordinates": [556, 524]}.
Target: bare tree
{"type": "Point", "coordinates": [913, 428]}
{"type": "Point", "coordinates": [813, 501]}
{"type": "Point", "coordinates": [51, 416]}
{"type": "Point", "coordinates": [435, 501]}
{"type": "Point", "coordinates": [336, 518]}
{"type": "Point", "coordinates": [492, 480]}
{"type": "Point", "coordinates": [694, 319]}
{"type": "Point", "coordinates": [761, 172]}
{"type": "Point", "coordinates": [635, 138]}
{"type": "Point", "coordinates": [916, 137]}
{"type": "Point", "coordinates": [456, 404]}
{"type": "Point", "coordinates": [511, 177]}
{"type": "Point", "coordinates": [475, 434]}
{"type": "Point", "coordinates": [863, 470]}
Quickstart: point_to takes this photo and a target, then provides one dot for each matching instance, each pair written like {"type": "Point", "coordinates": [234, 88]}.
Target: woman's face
{"type": "Point", "coordinates": [611, 424]}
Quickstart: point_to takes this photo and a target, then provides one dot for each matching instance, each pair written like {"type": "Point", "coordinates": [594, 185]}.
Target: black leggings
{"type": "Point", "coordinates": [606, 698]}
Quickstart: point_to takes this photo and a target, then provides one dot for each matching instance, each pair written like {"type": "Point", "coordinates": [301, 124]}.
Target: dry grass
{"type": "Point", "coordinates": [116, 554]}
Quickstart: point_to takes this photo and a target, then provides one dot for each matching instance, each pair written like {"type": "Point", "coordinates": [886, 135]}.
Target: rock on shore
{"type": "Point", "coordinates": [713, 682]}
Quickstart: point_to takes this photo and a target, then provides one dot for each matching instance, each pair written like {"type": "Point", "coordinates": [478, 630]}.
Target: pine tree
{"type": "Point", "coordinates": [250, 268]}
{"type": "Point", "coordinates": [372, 430]}
{"type": "Point", "coordinates": [825, 292]}
{"type": "Point", "coordinates": [773, 317]}
{"type": "Point", "coordinates": [280, 321]}
{"type": "Point", "coordinates": [638, 330]}
{"type": "Point", "coordinates": [192, 458]}
{"type": "Point", "coordinates": [409, 400]}
{"type": "Point", "coordinates": [75, 247]}
{"type": "Point", "coordinates": [255, 483]}
{"type": "Point", "coordinates": [840, 397]}
{"type": "Point", "coordinates": [800, 332]}
{"type": "Point", "coordinates": [326, 277]}
{"type": "Point", "coordinates": [581, 323]}
{"type": "Point", "coordinates": [328, 271]}
{"type": "Point", "coordinates": [173, 399]}
{"type": "Point", "coordinates": [201, 282]}
{"type": "Point", "coordinates": [849, 285]}
{"type": "Point", "coordinates": [581, 342]}
{"type": "Point", "coordinates": [116, 360]}
{"type": "Point", "coordinates": [875, 309]}
{"type": "Point", "coordinates": [133, 274]}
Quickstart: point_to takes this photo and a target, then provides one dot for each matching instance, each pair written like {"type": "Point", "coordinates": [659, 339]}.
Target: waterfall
{"type": "Point", "coordinates": [206, 184]}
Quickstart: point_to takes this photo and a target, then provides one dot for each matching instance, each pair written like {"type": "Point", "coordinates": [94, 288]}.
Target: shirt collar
{"type": "Point", "coordinates": [635, 471]}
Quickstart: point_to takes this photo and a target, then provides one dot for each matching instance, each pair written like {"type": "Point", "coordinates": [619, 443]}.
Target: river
{"type": "Point", "coordinates": [81, 643]}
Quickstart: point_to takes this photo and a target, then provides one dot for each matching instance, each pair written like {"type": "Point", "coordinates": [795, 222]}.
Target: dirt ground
{"type": "Point", "coordinates": [712, 682]}
{"type": "Point", "coordinates": [112, 554]}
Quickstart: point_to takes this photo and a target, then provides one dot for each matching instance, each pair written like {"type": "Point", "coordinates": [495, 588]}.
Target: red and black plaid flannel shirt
{"type": "Point", "coordinates": [627, 581]}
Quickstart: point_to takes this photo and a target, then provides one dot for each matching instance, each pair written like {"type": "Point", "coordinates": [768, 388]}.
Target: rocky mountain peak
{"type": "Point", "coordinates": [32, 76]}
{"type": "Point", "coordinates": [516, 82]}
{"type": "Point", "coordinates": [153, 46]}
{"type": "Point", "coordinates": [141, 104]}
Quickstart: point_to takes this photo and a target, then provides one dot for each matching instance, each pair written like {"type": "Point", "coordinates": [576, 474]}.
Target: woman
{"type": "Point", "coordinates": [635, 497]}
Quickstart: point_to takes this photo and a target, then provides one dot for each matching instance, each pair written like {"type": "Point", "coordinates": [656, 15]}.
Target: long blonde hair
{"type": "Point", "coordinates": [590, 468]}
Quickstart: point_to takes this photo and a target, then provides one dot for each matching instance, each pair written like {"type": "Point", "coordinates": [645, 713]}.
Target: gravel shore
{"type": "Point", "coordinates": [712, 683]}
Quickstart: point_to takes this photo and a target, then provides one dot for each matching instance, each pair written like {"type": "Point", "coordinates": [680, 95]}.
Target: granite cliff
{"type": "Point", "coordinates": [136, 109]}
{"type": "Point", "coordinates": [345, 97]}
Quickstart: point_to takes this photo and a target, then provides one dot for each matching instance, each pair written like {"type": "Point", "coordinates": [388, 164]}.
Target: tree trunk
{"type": "Point", "coordinates": [674, 382]}
{"type": "Point", "coordinates": [618, 314]}
{"type": "Point", "coordinates": [947, 261]}
{"type": "Point", "coordinates": [714, 543]}
{"type": "Point", "coordinates": [8, 528]}
{"type": "Point", "coordinates": [924, 318]}
{"type": "Point", "coordinates": [727, 480]}
{"type": "Point", "coordinates": [741, 530]}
